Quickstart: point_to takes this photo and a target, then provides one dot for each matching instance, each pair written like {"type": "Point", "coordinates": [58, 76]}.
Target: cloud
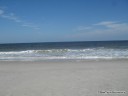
{"type": "Point", "coordinates": [82, 29]}
{"type": "Point", "coordinates": [105, 23]}
{"type": "Point", "coordinates": [14, 18]}
{"type": "Point", "coordinates": [30, 25]}
{"type": "Point", "coordinates": [106, 30]}
{"type": "Point", "coordinates": [1, 12]}
{"type": "Point", "coordinates": [11, 16]}
{"type": "Point", "coordinates": [114, 25]}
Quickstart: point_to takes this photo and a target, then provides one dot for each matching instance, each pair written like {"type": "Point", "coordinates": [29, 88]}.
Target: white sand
{"type": "Point", "coordinates": [64, 78]}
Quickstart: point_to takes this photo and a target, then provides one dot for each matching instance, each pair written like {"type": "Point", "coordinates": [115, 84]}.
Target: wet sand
{"type": "Point", "coordinates": [64, 78]}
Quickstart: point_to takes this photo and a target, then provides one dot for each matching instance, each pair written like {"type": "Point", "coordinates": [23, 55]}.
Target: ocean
{"type": "Point", "coordinates": [65, 50]}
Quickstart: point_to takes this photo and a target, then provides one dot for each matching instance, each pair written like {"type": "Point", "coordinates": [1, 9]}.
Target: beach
{"type": "Point", "coordinates": [64, 78]}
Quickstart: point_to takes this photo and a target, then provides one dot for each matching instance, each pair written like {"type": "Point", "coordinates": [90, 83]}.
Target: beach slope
{"type": "Point", "coordinates": [64, 78]}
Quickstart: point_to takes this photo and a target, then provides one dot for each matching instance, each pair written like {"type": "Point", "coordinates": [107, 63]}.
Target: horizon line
{"type": "Point", "coordinates": [66, 41]}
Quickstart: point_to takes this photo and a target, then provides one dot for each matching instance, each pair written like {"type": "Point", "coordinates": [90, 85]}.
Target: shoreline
{"type": "Point", "coordinates": [63, 59]}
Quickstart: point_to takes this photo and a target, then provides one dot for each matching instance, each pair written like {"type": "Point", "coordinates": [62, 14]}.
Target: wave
{"type": "Point", "coordinates": [88, 53]}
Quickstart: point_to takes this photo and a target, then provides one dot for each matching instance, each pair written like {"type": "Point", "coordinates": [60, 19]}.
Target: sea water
{"type": "Point", "coordinates": [65, 50]}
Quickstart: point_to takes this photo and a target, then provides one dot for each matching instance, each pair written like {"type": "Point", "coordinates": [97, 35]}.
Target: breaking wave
{"type": "Point", "coordinates": [87, 53]}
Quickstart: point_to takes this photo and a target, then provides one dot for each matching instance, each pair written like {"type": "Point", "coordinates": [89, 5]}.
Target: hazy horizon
{"type": "Point", "coordinates": [65, 41]}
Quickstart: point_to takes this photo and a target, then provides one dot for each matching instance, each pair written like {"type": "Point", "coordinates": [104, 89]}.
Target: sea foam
{"type": "Point", "coordinates": [86, 53]}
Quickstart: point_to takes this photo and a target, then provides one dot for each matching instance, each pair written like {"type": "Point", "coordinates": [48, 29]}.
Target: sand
{"type": "Point", "coordinates": [64, 78]}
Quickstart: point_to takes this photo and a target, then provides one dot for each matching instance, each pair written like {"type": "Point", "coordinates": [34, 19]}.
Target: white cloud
{"type": "Point", "coordinates": [114, 25]}
{"type": "Point", "coordinates": [1, 12]}
{"type": "Point", "coordinates": [80, 28]}
{"type": "Point", "coordinates": [11, 16]}
{"type": "Point", "coordinates": [14, 18]}
{"type": "Point", "coordinates": [105, 23]}
{"type": "Point", "coordinates": [30, 25]}
{"type": "Point", "coordinates": [106, 30]}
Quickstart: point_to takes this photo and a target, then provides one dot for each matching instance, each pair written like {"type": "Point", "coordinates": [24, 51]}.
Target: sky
{"type": "Point", "coordinates": [23, 21]}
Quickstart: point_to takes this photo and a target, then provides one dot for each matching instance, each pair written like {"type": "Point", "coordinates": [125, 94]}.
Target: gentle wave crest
{"type": "Point", "coordinates": [88, 53]}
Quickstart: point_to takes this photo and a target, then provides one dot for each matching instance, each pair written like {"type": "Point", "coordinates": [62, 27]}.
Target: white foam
{"type": "Point", "coordinates": [90, 53]}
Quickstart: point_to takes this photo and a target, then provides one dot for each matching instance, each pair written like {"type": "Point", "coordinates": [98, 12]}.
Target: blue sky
{"type": "Point", "coordinates": [63, 20]}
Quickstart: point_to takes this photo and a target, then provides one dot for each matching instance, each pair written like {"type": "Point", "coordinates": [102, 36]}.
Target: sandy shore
{"type": "Point", "coordinates": [64, 78]}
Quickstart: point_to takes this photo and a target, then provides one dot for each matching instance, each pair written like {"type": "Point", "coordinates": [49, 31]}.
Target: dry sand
{"type": "Point", "coordinates": [64, 78]}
